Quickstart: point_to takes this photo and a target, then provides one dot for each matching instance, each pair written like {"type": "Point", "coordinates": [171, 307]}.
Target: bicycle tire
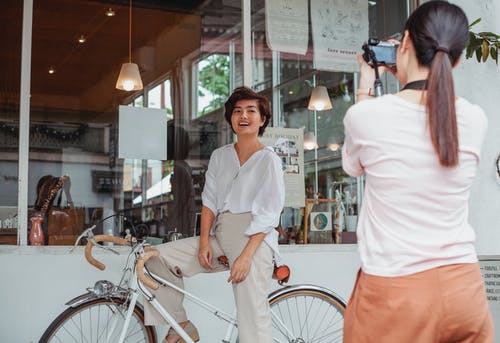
{"type": "Point", "coordinates": [90, 321]}
{"type": "Point", "coordinates": [311, 314]}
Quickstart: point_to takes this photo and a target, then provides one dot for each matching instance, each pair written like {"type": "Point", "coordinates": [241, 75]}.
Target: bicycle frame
{"type": "Point", "coordinates": [200, 302]}
{"type": "Point", "coordinates": [136, 287]}
{"type": "Point", "coordinates": [130, 286]}
{"type": "Point", "coordinates": [232, 324]}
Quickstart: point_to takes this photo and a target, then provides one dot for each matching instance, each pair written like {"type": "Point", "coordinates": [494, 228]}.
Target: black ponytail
{"type": "Point", "coordinates": [439, 32]}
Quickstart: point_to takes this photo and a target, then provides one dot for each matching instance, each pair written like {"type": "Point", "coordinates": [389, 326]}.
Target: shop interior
{"type": "Point", "coordinates": [190, 56]}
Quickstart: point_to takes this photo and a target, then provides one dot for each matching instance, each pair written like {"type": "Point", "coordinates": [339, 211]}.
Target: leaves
{"type": "Point", "coordinates": [482, 44]}
{"type": "Point", "coordinates": [475, 22]}
{"type": "Point", "coordinates": [485, 50]}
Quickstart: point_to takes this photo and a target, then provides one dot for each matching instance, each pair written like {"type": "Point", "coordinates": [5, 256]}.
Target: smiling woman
{"type": "Point", "coordinates": [242, 199]}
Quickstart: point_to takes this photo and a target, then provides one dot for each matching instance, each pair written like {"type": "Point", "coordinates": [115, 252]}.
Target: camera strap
{"type": "Point", "coordinates": [418, 85]}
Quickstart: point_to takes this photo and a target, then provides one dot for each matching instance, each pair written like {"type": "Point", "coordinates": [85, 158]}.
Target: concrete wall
{"type": "Point", "coordinates": [480, 83]}
{"type": "Point", "coordinates": [37, 281]}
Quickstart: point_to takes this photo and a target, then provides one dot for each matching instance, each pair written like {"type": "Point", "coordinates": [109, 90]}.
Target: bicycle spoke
{"type": "Point", "coordinates": [307, 315]}
{"type": "Point", "coordinates": [97, 322]}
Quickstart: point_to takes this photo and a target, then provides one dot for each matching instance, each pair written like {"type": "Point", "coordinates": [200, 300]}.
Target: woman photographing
{"type": "Point", "coordinates": [419, 150]}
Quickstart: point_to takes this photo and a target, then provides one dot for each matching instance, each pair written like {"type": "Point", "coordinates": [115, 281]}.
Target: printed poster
{"type": "Point", "coordinates": [490, 270]}
{"type": "Point", "coordinates": [339, 29]}
{"type": "Point", "coordinates": [320, 221]}
{"type": "Point", "coordinates": [287, 25]}
{"type": "Point", "coordinates": [288, 145]}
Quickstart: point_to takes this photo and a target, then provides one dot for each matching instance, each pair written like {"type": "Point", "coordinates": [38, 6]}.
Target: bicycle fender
{"type": "Point", "coordinates": [82, 298]}
{"type": "Point", "coordinates": [285, 289]}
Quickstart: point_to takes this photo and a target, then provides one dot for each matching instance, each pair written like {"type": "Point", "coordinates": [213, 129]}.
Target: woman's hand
{"type": "Point", "coordinates": [366, 73]}
{"type": "Point", "coordinates": [367, 78]}
{"type": "Point", "coordinates": [240, 269]}
{"type": "Point", "coordinates": [205, 255]}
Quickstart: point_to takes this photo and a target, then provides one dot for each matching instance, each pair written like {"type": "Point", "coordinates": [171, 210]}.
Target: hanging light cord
{"type": "Point", "coordinates": [130, 33]}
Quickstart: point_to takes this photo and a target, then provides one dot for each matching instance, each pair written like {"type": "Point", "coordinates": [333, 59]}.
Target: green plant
{"type": "Point", "coordinates": [482, 44]}
{"type": "Point", "coordinates": [214, 78]}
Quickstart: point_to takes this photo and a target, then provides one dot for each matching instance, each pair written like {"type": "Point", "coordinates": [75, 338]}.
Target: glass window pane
{"type": "Point", "coordinates": [139, 101]}
{"type": "Point", "coordinates": [10, 66]}
{"type": "Point", "coordinates": [154, 97]}
{"type": "Point", "coordinates": [167, 99]}
{"type": "Point", "coordinates": [213, 83]}
{"type": "Point", "coordinates": [74, 107]}
{"type": "Point", "coordinates": [288, 79]}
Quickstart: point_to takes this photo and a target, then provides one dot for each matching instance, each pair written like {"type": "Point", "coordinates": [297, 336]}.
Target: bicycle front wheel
{"type": "Point", "coordinates": [306, 314]}
{"type": "Point", "coordinates": [97, 321]}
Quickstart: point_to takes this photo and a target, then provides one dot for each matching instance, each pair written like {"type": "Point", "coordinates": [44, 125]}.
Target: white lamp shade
{"type": "Point", "coordinates": [129, 78]}
{"type": "Point", "coordinates": [310, 141]}
{"type": "Point", "coordinates": [319, 100]}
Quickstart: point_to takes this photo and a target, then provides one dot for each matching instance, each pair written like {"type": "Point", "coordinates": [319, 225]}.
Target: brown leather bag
{"type": "Point", "coordinates": [65, 220]}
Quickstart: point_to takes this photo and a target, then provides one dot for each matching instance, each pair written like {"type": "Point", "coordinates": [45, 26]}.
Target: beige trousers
{"type": "Point", "coordinates": [179, 259]}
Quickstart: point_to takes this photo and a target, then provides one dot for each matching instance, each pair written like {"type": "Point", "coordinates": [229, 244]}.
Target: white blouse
{"type": "Point", "coordinates": [256, 187]}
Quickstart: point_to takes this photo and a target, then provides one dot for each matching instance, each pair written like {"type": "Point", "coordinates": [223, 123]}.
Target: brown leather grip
{"type": "Point", "coordinates": [139, 269]}
{"type": "Point", "coordinates": [102, 238]}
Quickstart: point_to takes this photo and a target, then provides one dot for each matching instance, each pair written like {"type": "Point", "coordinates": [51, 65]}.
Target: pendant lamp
{"type": "Point", "coordinates": [333, 144]}
{"type": "Point", "coordinates": [319, 100]}
{"type": "Point", "coordinates": [129, 78]}
{"type": "Point", "coordinates": [310, 141]}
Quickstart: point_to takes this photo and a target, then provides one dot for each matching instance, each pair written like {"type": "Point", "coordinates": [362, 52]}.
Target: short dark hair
{"type": "Point", "coordinates": [245, 93]}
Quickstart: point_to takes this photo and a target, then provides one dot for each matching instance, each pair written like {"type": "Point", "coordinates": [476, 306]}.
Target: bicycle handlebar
{"type": "Point", "coordinates": [139, 269]}
{"type": "Point", "coordinates": [101, 238]}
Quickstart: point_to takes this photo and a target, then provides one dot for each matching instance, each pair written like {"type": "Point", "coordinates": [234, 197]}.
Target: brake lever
{"type": "Point", "coordinates": [94, 243]}
{"type": "Point", "coordinates": [86, 233]}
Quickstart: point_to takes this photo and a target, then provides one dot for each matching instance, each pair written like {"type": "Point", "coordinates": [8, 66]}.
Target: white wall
{"type": "Point", "coordinates": [37, 281]}
{"type": "Point", "coordinates": [480, 83]}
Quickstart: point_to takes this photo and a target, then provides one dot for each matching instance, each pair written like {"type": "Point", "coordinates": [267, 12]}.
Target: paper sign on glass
{"type": "Point", "coordinates": [339, 29]}
{"type": "Point", "coordinates": [287, 143]}
{"type": "Point", "coordinates": [142, 133]}
{"type": "Point", "coordinates": [287, 25]}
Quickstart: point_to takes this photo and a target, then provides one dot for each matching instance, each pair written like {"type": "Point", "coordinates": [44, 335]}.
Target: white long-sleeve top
{"type": "Point", "coordinates": [256, 187]}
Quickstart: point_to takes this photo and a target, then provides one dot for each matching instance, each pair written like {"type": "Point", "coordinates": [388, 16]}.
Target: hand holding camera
{"type": "Point", "coordinates": [379, 55]}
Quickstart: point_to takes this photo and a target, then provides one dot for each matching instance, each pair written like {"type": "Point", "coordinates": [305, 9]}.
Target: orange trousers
{"type": "Point", "coordinates": [443, 304]}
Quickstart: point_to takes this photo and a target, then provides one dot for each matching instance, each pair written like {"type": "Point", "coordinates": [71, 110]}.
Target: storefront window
{"type": "Point", "coordinates": [75, 110]}
{"type": "Point", "coordinates": [10, 66]}
{"type": "Point", "coordinates": [190, 58]}
{"type": "Point", "coordinates": [289, 77]}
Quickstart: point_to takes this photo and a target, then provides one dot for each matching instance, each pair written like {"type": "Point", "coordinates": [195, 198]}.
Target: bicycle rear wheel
{"type": "Point", "coordinates": [306, 314]}
{"type": "Point", "coordinates": [96, 321]}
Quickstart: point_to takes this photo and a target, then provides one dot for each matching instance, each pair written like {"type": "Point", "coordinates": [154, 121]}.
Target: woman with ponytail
{"type": "Point", "coordinates": [419, 149]}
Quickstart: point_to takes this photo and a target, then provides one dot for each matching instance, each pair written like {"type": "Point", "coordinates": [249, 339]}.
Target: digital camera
{"type": "Point", "coordinates": [381, 52]}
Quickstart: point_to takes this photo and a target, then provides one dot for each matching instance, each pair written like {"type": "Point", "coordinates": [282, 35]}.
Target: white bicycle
{"type": "Point", "coordinates": [111, 313]}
